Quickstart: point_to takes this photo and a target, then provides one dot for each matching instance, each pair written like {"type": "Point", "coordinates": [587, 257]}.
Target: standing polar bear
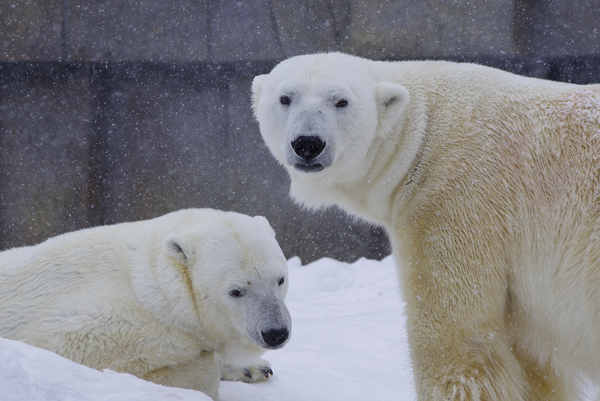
{"type": "Point", "coordinates": [180, 300]}
{"type": "Point", "coordinates": [488, 185]}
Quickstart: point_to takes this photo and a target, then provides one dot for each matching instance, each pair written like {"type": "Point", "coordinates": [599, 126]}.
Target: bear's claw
{"type": "Point", "coordinates": [260, 371]}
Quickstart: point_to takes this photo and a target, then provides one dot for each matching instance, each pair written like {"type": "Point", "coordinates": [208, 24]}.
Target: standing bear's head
{"type": "Point", "coordinates": [226, 277]}
{"type": "Point", "coordinates": [319, 115]}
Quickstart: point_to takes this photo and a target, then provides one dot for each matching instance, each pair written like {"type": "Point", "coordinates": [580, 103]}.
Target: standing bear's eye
{"type": "Point", "coordinates": [341, 104]}
{"type": "Point", "coordinates": [285, 100]}
{"type": "Point", "coordinates": [235, 293]}
{"type": "Point", "coordinates": [281, 281]}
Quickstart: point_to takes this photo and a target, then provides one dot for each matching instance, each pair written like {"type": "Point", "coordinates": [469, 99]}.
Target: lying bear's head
{"type": "Point", "coordinates": [228, 277]}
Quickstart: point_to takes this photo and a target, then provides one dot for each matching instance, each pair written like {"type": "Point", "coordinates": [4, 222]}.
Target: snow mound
{"type": "Point", "coordinates": [33, 374]}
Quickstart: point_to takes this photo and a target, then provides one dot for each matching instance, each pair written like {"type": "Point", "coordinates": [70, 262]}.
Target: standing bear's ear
{"type": "Point", "coordinates": [178, 248]}
{"type": "Point", "coordinates": [257, 84]}
{"type": "Point", "coordinates": [391, 100]}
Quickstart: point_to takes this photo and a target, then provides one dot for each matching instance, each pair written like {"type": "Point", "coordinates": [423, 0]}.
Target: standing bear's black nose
{"type": "Point", "coordinates": [308, 147]}
{"type": "Point", "coordinates": [275, 337]}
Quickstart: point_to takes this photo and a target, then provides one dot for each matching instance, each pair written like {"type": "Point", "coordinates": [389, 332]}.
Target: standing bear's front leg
{"type": "Point", "coordinates": [456, 285]}
{"type": "Point", "coordinates": [456, 300]}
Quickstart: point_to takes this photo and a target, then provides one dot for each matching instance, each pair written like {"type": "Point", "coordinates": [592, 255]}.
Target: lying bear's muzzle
{"type": "Point", "coordinates": [275, 338]}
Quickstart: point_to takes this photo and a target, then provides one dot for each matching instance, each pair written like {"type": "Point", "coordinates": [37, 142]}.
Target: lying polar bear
{"type": "Point", "coordinates": [488, 185]}
{"type": "Point", "coordinates": [180, 300]}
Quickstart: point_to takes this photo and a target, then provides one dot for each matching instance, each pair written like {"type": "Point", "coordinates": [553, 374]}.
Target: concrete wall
{"type": "Point", "coordinates": [228, 30]}
{"type": "Point", "coordinates": [121, 110]}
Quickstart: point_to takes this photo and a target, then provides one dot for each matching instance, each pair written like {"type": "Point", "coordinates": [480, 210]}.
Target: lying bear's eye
{"type": "Point", "coordinates": [281, 281]}
{"type": "Point", "coordinates": [235, 293]}
{"type": "Point", "coordinates": [341, 103]}
{"type": "Point", "coordinates": [285, 100]}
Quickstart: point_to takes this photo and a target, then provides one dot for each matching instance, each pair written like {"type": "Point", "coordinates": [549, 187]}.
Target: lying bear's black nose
{"type": "Point", "coordinates": [274, 338]}
{"type": "Point", "coordinates": [308, 147]}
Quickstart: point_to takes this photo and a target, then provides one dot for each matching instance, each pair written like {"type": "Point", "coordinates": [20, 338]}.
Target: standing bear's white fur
{"type": "Point", "coordinates": [182, 300]}
{"type": "Point", "coordinates": [488, 185]}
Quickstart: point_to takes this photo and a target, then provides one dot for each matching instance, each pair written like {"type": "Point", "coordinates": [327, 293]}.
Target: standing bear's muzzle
{"type": "Point", "coordinates": [308, 148]}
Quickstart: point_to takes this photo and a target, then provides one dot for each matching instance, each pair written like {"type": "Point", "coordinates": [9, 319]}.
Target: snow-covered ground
{"type": "Point", "coordinates": [348, 343]}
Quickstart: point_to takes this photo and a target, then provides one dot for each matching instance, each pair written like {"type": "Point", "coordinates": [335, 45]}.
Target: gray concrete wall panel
{"type": "Point", "coordinates": [430, 28]}
{"type": "Point", "coordinates": [307, 26]}
{"type": "Point", "coordinates": [136, 30]}
{"type": "Point", "coordinates": [31, 30]}
{"type": "Point", "coordinates": [44, 142]}
{"type": "Point", "coordinates": [546, 28]}
{"type": "Point", "coordinates": [167, 143]}
{"type": "Point", "coordinates": [243, 30]}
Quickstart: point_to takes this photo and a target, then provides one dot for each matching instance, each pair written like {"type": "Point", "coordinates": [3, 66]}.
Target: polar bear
{"type": "Point", "coordinates": [488, 185]}
{"type": "Point", "coordinates": [182, 300]}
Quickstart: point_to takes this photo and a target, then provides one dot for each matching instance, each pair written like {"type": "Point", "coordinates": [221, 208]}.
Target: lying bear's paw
{"type": "Point", "coordinates": [257, 372]}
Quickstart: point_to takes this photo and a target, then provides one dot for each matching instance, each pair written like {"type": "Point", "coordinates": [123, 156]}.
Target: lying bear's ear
{"type": "Point", "coordinates": [257, 84]}
{"type": "Point", "coordinates": [391, 100]}
{"type": "Point", "coordinates": [178, 248]}
{"type": "Point", "coordinates": [265, 223]}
